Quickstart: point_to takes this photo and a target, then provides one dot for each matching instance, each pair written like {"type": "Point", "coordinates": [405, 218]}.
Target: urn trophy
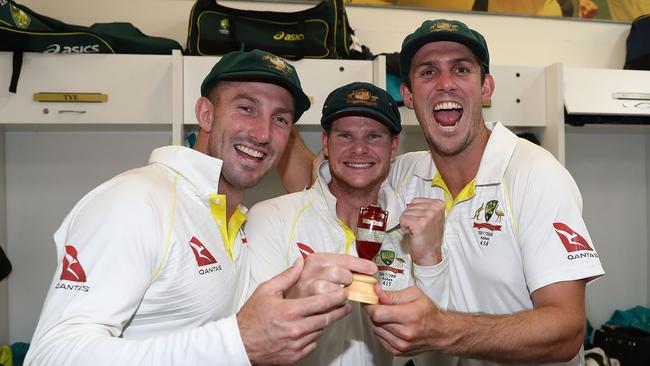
{"type": "Point", "coordinates": [371, 229]}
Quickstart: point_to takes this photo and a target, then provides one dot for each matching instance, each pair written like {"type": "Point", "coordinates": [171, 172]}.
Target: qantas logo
{"type": "Point", "coordinates": [305, 249]}
{"type": "Point", "coordinates": [72, 269]}
{"type": "Point", "coordinates": [573, 242]}
{"type": "Point", "coordinates": [201, 253]}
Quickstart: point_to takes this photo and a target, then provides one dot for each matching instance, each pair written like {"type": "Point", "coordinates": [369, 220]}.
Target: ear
{"type": "Point", "coordinates": [394, 144]}
{"type": "Point", "coordinates": [407, 96]}
{"type": "Point", "coordinates": [325, 149]}
{"type": "Point", "coordinates": [487, 89]}
{"type": "Point", "coordinates": [204, 111]}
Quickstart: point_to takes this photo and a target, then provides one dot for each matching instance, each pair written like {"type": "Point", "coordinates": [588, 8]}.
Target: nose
{"type": "Point", "coordinates": [446, 82]}
{"type": "Point", "coordinates": [359, 147]}
{"type": "Point", "coordinates": [260, 131]}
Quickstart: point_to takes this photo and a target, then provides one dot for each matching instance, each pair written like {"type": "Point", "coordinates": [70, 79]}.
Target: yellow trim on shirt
{"type": "Point", "coordinates": [465, 194]}
{"type": "Point", "coordinates": [349, 235]}
{"type": "Point", "coordinates": [231, 228]}
{"type": "Point", "coordinates": [170, 231]}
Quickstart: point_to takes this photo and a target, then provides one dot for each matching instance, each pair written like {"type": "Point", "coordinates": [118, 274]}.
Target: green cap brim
{"type": "Point", "coordinates": [411, 48]}
{"type": "Point", "coordinates": [301, 100]}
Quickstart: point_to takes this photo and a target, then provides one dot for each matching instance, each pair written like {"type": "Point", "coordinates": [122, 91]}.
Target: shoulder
{"type": "Point", "coordinates": [536, 170]}
{"type": "Point", "coordinates": [417, 163]}
{"type": "Point", "coordinates": [134, 192]}
{"type": "Point", "coordinates": [275, 209]}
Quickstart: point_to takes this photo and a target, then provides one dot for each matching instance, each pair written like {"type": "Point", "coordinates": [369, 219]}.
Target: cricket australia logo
{"type": "Point", "coordinates": [443, 26]}
{"type": "Point", "coordinates": [224, 26]}
{"type": "Point", "coordinates": [277, 63]}
{"type": "Point", "coordinates": [361, 96]}
{"type": "Point", "coordinates": [487, 218]}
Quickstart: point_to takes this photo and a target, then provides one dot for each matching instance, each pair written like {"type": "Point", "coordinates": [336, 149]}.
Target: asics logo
{"type": "Point", "coordinates": [57, 48]}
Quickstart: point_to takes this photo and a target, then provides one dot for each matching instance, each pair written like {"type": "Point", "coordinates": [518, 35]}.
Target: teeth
{"type": "Point", "coordinates": [447, 105]}
{"type": "Point", "coordinates": [249, 151]}
{"type": "Point", "coordinates": [359, 165]}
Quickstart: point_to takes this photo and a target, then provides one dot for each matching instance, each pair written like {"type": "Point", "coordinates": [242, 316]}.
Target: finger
{"type": "Point", "coordinates": [386, 340]}
{"type": "Point", "coordinates": [325, 286]}
{"type": "Point", "coordinates": [318, 322]}
{"type": "Point", "coordinates": [284, 280]}
{"type": "Point", "coordinates": [349, 262]}
{"type": "Point", "coordinates": [317, 304]}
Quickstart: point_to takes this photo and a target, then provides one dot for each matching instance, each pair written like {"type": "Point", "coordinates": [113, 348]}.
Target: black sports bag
{"type": "Point", "coordinates": [322, 31]}
{"type": "Point", "coordinates": [22, 29]}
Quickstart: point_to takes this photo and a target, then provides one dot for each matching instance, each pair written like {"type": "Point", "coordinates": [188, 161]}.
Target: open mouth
{"type": "Point", "coordinates": [359, 165]}
{"type": "Point", "coordinates": [250, 152]}
{"type": "Point", "coordinates": [447, 114]}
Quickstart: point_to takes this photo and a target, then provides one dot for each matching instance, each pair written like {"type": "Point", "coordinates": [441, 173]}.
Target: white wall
{"type": "Point", "coordinates": [611, 168]}
{"type": "Point", "coordinates": [35, 156]}
{"type": "Point", "coordinates": [4, 285]}
{"type": "Point", "coordinates": [47, 172]}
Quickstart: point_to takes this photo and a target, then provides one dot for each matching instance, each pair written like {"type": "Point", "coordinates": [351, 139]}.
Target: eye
{"type": "Point", "coordinates": [245, 108]}
{"type": "Point", "coordinates": [344, 135]}
{"type": "Point", "coordinates": [462, 70]}
{"type": "Point", "coordinates": [427, 73]}
{"type": "Point", "coordinates": [282, 120]}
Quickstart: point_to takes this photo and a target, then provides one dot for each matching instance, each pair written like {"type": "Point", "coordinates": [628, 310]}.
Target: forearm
{"type": "Point", "coordinates": [547, 334]}
{"type": "Point", "coordinates": [216, 343]}
{"type": "Point", "coordinates": [295, 164]}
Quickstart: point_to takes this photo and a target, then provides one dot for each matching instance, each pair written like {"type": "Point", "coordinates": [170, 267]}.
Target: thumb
{"type": "Point", "coordinates": [284, 280]}
{"type": "Point", "coordinates": [394, 297]}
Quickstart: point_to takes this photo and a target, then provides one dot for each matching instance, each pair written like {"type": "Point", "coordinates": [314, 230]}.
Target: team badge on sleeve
{"type": "Point", "coordinates": [572, 241]}
{"type": "Point", "coordinates": [72, 269]}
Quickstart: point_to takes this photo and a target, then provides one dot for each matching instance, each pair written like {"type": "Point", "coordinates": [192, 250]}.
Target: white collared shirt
{"type": "Point", "coordinates": [514, 229]}
{"type": "Point", "coordinates": [148, 273]}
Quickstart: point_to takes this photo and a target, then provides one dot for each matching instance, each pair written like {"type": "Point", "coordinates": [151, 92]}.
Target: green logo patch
{"type": "Point", "coordinates": [387, 256]}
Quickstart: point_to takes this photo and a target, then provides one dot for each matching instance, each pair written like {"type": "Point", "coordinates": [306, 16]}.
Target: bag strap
{"type": "Point", "coordinates": [17, 66]}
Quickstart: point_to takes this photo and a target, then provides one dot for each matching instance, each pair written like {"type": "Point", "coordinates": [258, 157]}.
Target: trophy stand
{"type": "Point", "coordinates": [371, 229]}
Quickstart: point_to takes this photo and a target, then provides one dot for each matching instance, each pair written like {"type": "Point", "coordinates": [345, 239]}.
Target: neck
{"type": "Point", "coordinates": [349, 201]}
{"type": "Point", "coordinates": [233, 196]}
{"type": "Point", "coordinates": [459, 169]}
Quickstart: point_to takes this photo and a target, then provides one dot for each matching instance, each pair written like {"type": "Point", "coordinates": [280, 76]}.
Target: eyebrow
{"type": "Point", "coordinates": [448, 62]}
{"type": "Point", "coordinates": [257, 101]}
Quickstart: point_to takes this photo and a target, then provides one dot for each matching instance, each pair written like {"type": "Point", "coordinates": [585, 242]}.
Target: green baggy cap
{"type": "Point", "coordinates": [258, 65]}
{"type": "Point", "coordinates": [443, 30]}
{"type": "Point", "coordinates": [361, 99]}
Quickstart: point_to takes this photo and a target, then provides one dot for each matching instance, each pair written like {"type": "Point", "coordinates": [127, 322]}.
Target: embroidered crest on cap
{"type": "Point", "coordinates": [443, 26]}
{"type": "Point", "coordinates": [277, 63]}
{"type": "Point", "coordinates": [361, 96]}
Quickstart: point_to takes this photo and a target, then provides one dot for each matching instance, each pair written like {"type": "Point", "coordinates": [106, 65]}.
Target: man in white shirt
{"type": "Point", "coordinates": [519, 254]}
{"type": "Point", "coordinates": [153, 263]}
{"type": "Point", "coordinates": [361, 126]}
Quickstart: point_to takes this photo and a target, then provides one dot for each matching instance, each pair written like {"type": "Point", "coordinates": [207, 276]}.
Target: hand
{"type": "Point", "coordinates": [277, 330]}
{"type": "Point", "coordinates": [423, 220]}
{"type": "Point", "coordinates": [327, 272]}
{"type": "Point", "coordinates": [588, 9]}
{"type": "Point", "coordinates": [406, 322]}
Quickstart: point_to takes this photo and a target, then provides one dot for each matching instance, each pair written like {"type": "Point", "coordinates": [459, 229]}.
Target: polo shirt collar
{"type": "Point", "coordinates": [498, 152]}
{"type": "Point", "coordinates": [200, 169]}
{"type": "Point", "coordinates": [495, 159]}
